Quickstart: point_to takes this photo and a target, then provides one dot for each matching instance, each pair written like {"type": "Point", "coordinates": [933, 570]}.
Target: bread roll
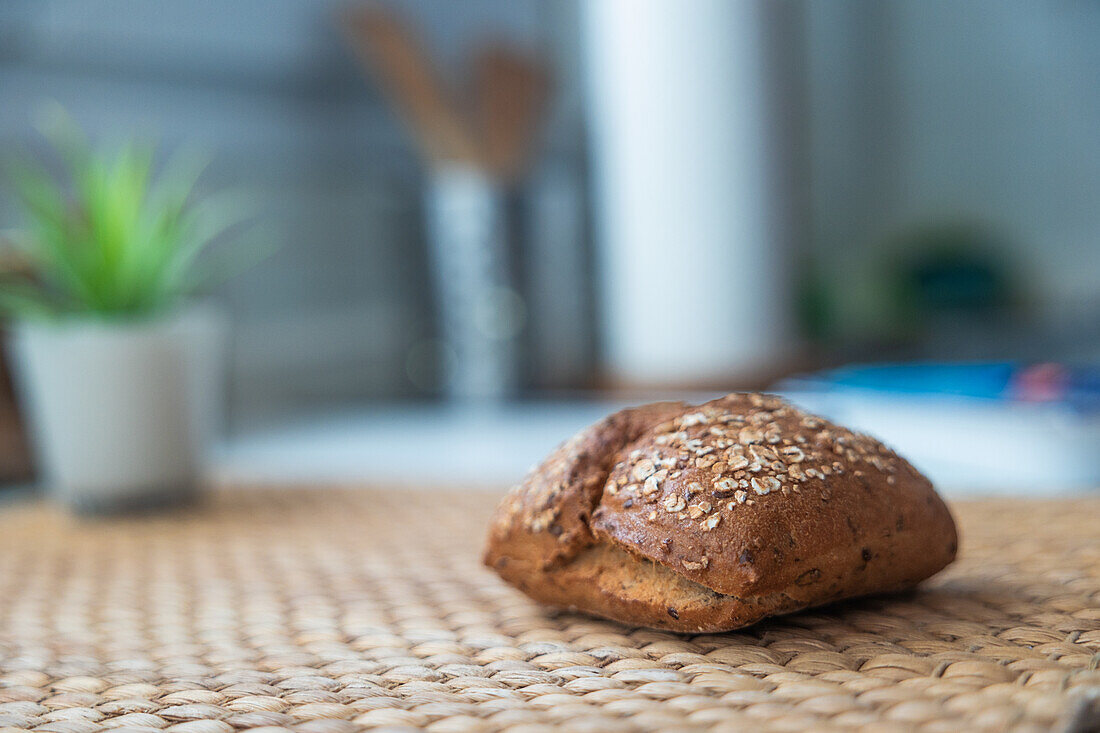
{"type": "Point", "coordinates": [712, 517]}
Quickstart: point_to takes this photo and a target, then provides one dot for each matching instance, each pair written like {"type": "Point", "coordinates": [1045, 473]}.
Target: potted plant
{"type": "Point", "coordinates": [118, 372]}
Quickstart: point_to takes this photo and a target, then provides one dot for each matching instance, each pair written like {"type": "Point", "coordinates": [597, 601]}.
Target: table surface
{"type": "Point", "coordinates": [967, 448]}
{"type": "Point", "coordinates": [341, 610]}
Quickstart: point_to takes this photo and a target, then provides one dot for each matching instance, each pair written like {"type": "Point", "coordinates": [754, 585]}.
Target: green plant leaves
{"type": "Point", "coordinates": [112, 235]}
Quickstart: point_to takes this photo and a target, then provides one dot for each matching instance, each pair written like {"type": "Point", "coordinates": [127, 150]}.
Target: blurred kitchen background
{"type": "Point", "coordinates": [499, 219]}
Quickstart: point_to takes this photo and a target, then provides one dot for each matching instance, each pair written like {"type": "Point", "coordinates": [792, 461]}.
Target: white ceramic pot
{"type": "Point", "coordinates": [121, 412]}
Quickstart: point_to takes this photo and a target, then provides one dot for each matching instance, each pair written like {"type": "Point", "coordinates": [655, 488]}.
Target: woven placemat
{"type": "Point", "coordinates": [341, 610]}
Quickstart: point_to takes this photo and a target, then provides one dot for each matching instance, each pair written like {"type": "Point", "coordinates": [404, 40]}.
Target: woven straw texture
{"type": "Point", "coordinates": [339, 610]}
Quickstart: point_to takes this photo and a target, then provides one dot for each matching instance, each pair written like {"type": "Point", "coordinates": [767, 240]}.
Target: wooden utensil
{"type": "Point", "coordinates": [392, 54]}
{"type": "Point", "coordinates": [511, 92]}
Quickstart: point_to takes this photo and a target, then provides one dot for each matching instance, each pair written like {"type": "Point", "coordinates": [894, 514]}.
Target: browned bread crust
{"type": "Point", "coordinates": [711, 517]}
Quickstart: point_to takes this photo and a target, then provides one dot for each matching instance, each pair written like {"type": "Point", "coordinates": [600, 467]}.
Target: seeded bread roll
{"type": "Point", "coordinates": [711, 517]}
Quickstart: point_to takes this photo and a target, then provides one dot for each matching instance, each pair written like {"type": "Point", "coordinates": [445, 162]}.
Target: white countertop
{"type": "Point", "coordinates": [965, 449]}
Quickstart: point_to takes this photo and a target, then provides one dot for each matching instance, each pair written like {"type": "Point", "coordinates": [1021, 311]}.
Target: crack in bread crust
{"type": "Point", "coordinates": [558, 497]}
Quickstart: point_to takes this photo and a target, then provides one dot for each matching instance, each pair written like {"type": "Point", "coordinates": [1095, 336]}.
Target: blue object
{"type": "Point", "coordinates": [987, 380]}
{"type": "Point", "coordinates": [1075, 386]}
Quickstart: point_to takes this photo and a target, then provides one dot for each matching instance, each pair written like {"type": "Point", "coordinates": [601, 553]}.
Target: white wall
{"type": "Point", "coordinates": [987, 110]}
